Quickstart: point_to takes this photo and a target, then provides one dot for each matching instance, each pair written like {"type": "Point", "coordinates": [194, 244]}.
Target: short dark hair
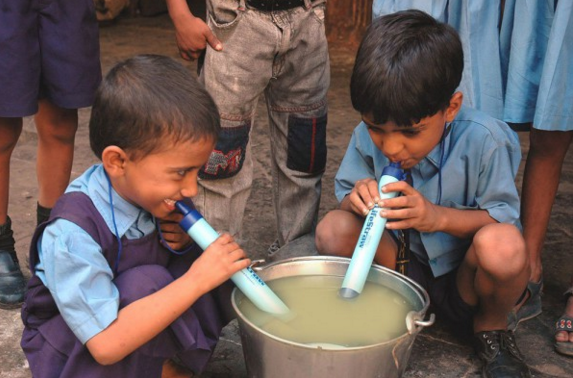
{"type": "Point", "coordinates": [147, 99]}
{"type": "Point", "coordinates": [407, 68]}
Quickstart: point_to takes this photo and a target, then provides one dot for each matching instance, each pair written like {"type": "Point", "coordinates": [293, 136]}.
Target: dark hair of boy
{"type": "Point", "coordinates": [407, 68]}
{"type": "Point", "coordinates": [148, 101]}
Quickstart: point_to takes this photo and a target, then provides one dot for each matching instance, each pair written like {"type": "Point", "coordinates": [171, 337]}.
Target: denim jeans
{"type": "Point", "coordinates": [283, 54]}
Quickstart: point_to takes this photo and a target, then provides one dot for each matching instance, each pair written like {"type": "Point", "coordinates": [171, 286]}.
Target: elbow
{"type": "Point", "coordinates": [104, 358]}
{"type": "Point", "coordinates": [104, 355]}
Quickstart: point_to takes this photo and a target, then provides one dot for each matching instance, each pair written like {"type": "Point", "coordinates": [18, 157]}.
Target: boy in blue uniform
{"type": "Point", "coordinates": [107, 298]}
{"type": "Point", "coordinates": [461, 210]}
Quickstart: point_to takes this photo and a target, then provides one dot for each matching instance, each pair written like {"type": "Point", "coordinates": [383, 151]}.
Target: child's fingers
{"type": "Point", "coordinates": [367, 190]}
{"type": "Point", "coordinates": [236, 254]}
{"type": "Point", "coordinates": [357, 204]}
{"type": "Point", "coordinates": [398, 186]}
{"type": "Point", "coordinates": [242, 264]}
{"type": "Point", "coordinates": [399, 224]}
{"type": "Point", "coordinates": [225, 239]}
{"type": "Point", "coordinates": [396, 202]}
{"type": "Point", "coordinates": [364, 196]}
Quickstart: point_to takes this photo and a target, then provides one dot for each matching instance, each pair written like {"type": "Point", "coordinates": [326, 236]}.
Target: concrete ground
{"type": "Point", "coordinates": [436, 353]}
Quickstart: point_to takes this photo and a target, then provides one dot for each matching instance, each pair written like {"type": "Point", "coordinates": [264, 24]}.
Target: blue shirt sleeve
{"type": "Point", "coordinates": [496, 190]}
{"type": "Point", "coordinates": [361, 160]}
{"type": "Point", "coordinates": [79, 278]}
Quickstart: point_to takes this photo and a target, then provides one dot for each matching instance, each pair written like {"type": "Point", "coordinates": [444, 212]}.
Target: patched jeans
{"type": "Point", "coordinates": [283, 54]}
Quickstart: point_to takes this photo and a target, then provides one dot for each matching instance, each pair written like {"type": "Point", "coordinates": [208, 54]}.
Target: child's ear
{"type": "Point", "coordinates": [454, 107]}
{"type": "Point", "coordinates": [113, 159]}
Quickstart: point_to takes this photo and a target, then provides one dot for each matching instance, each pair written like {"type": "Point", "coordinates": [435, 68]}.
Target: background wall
{"type": "Point", "coordinates": [347, 20]}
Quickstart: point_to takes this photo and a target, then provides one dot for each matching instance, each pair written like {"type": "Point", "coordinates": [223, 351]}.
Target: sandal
{"type": "Point", "coordinates": [565, 323]}
{"type": "Point", "coordinates": [530, 308]}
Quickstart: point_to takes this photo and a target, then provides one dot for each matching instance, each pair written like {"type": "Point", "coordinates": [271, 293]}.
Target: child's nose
{"type": "Point", "coordinates": [392, 147]}
{"type": "Point", "coordinates": [189, 187]}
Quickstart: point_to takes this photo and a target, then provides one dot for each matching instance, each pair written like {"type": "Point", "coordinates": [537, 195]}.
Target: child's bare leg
{"type": "Point", "coordinates": [10, 130]}
{"type": "Point", "coordinates": [56, 134]}
{"type": "Point", "coordinates": [494, 275]}
{"type": "Point", "coordinates": [547, 151]}
{"type": "Point", "coordinates": [337, 234]}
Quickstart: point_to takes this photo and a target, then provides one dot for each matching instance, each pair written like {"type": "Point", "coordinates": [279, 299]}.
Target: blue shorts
{"type": "Point", "coordinates": [48, 49]}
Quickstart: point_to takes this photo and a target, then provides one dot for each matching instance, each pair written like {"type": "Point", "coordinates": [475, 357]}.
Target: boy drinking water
{"type": "Point", "coordinates": [107, 297]}
{"type": "Point", "coordinates": [461, 209]}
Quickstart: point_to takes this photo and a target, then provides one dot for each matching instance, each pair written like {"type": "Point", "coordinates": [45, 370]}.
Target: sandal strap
{"type": "Point", "coordinates": [565, 323]}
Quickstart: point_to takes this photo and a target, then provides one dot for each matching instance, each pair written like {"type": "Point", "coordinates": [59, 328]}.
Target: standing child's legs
{"type": "Point", "coordinates": [541, 176]}
{"type": "Point", "coordinates": [236, 77]}
{"type": "Point", "coordinates": [56, 134]}
{"type": "Point", "coordinates": [12, 281]}
{"type": "Point", "coordinates": [297, 107]}
{"type": "Point", "coordinates": [10, 130]}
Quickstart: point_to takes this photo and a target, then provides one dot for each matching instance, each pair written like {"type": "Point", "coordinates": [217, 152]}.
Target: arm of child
{"type": "Point", "coordinates": [413, 210]}
{"type": "Point", "coordinates": [142, 320]}
{"type": "Point", "coordinates": [191, 32]}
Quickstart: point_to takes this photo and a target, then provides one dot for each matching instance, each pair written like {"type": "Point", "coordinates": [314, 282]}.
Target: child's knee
{"type": "Point", "coordinates": [334, 233]}
{"type": "Point", "coordinates": [500, 248]}
{"type": "Point", "coordinates": [323, 235]}
{"type": "Point", "coordinates": [141, 281]}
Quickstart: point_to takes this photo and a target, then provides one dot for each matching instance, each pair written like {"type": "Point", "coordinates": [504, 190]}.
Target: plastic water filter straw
{"type": "Point", "coordinates": [246, 280]}
{"type": "Point", "coordinates": [369, 238]}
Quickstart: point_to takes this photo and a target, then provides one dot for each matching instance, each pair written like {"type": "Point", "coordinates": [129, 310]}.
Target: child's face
{"type": "Point", "coordinates": [410, 144]}
{"type": "Point", "coordinates": [407, 144]}
{"type": "Point", "coordinates": [156, 181]}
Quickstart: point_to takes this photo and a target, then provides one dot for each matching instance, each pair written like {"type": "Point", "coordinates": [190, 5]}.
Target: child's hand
{"type": "Point", "coordinates": [363, 196]}
{"type": "Point", "coordinates": [193, 35]}
{"type": "Point", "coordinates": [410, 210]}
{"type": "Point", "coordinates": [173, 234]}
{"type": "Point", "coordinates": [218, 263]}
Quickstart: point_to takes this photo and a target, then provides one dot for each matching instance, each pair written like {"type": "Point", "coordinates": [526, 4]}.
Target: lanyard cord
{"type": "Point", "coordinates": [120, 247]}
{"type": "Point", "coordinates": [442, 149]}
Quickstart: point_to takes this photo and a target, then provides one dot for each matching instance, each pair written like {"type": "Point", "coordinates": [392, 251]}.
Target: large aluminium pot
{"type": "Point", "coordinates": [268, 356]}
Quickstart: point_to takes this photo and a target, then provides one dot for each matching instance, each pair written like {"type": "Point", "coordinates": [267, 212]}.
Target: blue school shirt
{"type": "Point", "coordinates": [72, 265]}
{"type": "Point", "coordinates": [479, 161]}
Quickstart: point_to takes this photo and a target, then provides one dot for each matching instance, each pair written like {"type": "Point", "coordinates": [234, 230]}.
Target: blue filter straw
{"type": "Point", "coordinates": [369, 238]}
{"type": "Point", "coordinates": [246, 280]}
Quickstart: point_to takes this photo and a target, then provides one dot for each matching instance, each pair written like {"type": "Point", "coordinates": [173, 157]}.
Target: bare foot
{"type": "Point", "coordinates": [173, 370]}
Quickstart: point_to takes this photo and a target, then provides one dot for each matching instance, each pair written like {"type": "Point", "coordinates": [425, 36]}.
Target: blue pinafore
{"type": "Point", "coordinates": [145, 267]}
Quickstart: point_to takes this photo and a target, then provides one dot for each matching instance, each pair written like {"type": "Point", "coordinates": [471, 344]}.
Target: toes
{"type": "Point", "coordinates": [563, 336]}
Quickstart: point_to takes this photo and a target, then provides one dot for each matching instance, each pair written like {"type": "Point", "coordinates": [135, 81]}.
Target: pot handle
{"type": "Point", "coordinates": [414, 322]}
{"type": "Point", "coordinates": [256, 265]}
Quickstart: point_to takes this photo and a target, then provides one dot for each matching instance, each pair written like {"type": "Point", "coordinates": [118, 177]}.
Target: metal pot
{"type": "Point", "coordinates": [268, 356]}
